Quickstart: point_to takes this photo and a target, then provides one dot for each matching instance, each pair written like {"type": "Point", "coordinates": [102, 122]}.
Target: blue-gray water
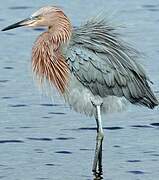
{"type": "Point", "coordinates": [40, 137]}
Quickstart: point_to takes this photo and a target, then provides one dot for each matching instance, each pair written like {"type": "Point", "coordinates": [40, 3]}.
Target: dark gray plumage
{"type": "Point", "coordinates": [106, 65]}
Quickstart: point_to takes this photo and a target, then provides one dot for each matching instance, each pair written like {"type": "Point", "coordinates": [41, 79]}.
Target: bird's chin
{"type": "Point", "coordinates": [35, 25]}
{"type": "Point", "coordinates": [32, 24]}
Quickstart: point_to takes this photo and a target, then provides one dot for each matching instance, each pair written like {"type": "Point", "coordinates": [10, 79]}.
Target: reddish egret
{"type": "Point", "coordinates": [89, 65]}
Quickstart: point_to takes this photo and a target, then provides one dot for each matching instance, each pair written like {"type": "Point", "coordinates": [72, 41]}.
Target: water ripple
{"type": "Point", "coordinates": [113, 128]}
{"type": "Point", "coordinates": [86, 149]}
{"type": "Point", "coordinates": [2, 165]}
{"type": "Point", "coordinates": [151, 7]}
{"type": "Point", "coordinates": [39, 139]}
{"type": "Point", "coordinates": [58, 113]}
{"type": "Point", "coordinates": [116, 146]}
{"type": "Point", "coordinates": [107, 128]}
{"type": "Point", "coordinates": [9, 127]}
{"type": "Point", "coordinates": [8, 67]}
{"type": "Point", "coordinates": [136, 172]}
{"type": "Point", "coordinates": [38, 150]}
{"type": "Point", "coordinates": [149, 152]}
{"type": "Point", "coordinates": [50, 105]}
{"type": "Point", "coordinates": [64, 138]}
{"type": "Point", "coordinates": [157, 155]}
{"type": "Point", "coordinates": [63, 152]}
{"type": "Point", "coordinates": [50, 164]}
{"type": "Point", "coordinates": [154, 124]}
{"type": "Point", "coordinates": [11, 141]}
{"type": "Point", "coordinates": [141, 126]}
{"type": "Point", "coordinates": [3, 81]}
{"type": "Point", "coordinates": [9, 33]}
{"type": "Point", "coordinates": [25, 127]}
{"type": "Point", "coordinates": [18, 105]}
{"type": "Point", "coordinates": [46, 117]}
{"type": "Point", "coordinates": [1, 177]}
{"type": "Point", "coordinates": [7, 97]}
{"type": "Point", "coordinates": [133, 161]}
{"type": "Point", "coordinates": [20, 7]}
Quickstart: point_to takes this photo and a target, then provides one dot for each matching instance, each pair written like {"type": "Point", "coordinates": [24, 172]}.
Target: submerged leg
{"type": "Point", "coordinates": [97, 164]}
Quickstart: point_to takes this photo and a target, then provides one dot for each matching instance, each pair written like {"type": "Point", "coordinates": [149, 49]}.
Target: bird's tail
{"type": "Point", "coordinates": [149, 99]}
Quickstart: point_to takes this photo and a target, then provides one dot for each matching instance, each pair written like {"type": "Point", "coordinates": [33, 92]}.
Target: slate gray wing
{"type": "Point", "coordinates": [106, 65]}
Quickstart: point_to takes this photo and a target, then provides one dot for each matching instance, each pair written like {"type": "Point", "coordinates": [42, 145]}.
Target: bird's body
{"type": "Point", "coordinates": [92, 68]}
{"type": "Point", "coordinates": [91, 63]}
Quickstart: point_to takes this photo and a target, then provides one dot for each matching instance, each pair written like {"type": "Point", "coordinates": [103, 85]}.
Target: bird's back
{"type": "Point", "coordinates": [106, 66]}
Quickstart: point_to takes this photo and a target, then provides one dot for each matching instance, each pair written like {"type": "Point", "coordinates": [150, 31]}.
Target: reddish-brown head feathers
{"type": "Point", "coordinates": [47, 60]}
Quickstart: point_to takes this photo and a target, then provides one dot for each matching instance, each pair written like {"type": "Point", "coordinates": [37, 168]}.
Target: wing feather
{"type": "Point", "coordinates": [106, 65]}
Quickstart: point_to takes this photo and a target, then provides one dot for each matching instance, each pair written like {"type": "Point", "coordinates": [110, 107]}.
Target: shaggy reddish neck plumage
{"type": "Point", "coordinates": [47, 60]}
{"type": "Point", "coordinates": [61, 28]}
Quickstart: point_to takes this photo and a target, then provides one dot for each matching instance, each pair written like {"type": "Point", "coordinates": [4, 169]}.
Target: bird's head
{"type": "Point", "coordinates": [45, 16]}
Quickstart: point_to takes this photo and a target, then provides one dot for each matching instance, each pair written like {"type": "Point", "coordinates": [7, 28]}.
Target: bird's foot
{"type": "Point", "coordinates": [98, 175]}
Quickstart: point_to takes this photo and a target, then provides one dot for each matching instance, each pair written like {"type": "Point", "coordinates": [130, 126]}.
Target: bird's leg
{"type": "Point", "coordinates": [97, 164]}
{"type": "Point", "coordinates": [100, 170]}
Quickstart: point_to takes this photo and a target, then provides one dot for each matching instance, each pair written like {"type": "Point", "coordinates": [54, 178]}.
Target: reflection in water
{"type": "Point", "coordinates": [98, 177]}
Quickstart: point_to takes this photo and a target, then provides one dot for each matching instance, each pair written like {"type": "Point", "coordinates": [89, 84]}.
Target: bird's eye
{"type": "Point", "coordinates": [36, 17]}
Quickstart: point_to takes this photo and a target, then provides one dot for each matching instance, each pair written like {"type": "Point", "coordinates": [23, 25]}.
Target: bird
{"type": "Point", "coordinates": [90, 65]}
